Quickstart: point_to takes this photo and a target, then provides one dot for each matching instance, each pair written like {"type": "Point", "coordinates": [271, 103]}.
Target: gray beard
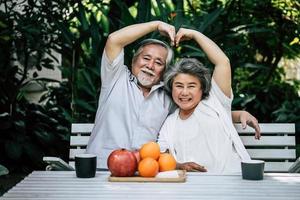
{"type": "Point", "coordinates": [144, 79]}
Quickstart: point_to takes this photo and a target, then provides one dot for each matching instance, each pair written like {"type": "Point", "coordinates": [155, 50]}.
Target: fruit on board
{"type": "Point", "coordinates": [122, 163]}
{"type": "Point", "coordinates": [166, 162]}
{"type": "Point", "coordinates": [148, 167]}
{"type": "Point", "coordinates": [150, 149]}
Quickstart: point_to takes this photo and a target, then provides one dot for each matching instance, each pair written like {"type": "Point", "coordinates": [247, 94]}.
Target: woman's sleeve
{"type": "Point", "coordinates": [225, 100]}
{"type": "Point", "coordinates": [162, 138]}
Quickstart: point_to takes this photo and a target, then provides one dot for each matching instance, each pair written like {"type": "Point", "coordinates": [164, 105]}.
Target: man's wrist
{"type": "Point", "coordinates": [154, 25]}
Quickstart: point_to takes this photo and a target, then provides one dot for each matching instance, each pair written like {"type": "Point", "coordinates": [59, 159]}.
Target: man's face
{"type": "Point", "coordinates": [149, 65]}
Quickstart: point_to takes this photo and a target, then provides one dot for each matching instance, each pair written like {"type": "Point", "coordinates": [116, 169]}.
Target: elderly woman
{"type": "Point", "coordinates": [200, 133]}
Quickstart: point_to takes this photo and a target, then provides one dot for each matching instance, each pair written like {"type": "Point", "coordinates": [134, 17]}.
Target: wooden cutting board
{"type": "Point", "coordinates": [180, 179]}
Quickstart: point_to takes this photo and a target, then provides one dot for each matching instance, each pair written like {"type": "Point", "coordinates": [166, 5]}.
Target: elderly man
{"type": "Point", "coordinates": [133, 104]}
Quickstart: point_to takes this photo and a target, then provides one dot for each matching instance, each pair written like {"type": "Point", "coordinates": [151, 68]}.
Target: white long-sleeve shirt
{"type": "Point", "coordinates": [207, 137]}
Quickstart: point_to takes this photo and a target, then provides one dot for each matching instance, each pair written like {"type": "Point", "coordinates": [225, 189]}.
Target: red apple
{"type": "Point", "coordinates": [122, 162]}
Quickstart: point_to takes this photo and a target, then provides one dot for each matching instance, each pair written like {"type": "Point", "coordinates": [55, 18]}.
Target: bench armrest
{"type": "Point", "coordinates": [58, 164]}
{"type": "Point", "coordinates": [295, 167]}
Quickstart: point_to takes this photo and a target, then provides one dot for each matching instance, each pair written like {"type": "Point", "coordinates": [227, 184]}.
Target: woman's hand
{"type": "Point", "coordinates": [247, 119]}
{"type": "Point", "coordinates": [183, 34]}
{"type": "Point", "coordinates": [191, 167]}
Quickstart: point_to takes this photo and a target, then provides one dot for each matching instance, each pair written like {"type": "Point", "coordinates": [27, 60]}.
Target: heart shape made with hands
{"type": "Point", "coordinates": [183, 34]}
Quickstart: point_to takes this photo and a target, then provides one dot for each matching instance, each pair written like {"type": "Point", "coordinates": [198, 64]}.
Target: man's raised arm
{"type": "Point", "coordinates": [119, 39]}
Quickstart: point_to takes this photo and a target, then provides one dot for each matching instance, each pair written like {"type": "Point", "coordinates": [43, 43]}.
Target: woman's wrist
{"type": "Point", "coordinates": [179, 165]}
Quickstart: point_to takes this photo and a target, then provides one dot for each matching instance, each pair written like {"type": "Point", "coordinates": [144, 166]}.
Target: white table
{"type": "Point", "coordinates": [64, 185]}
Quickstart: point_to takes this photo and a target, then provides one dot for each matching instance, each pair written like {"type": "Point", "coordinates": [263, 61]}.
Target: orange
{"type": "Point", "coordinates": [148, 167]}
{"type": "Point", "coordinates": [166, 162]}
{"type": "Point", "coordinates": [150, 149]}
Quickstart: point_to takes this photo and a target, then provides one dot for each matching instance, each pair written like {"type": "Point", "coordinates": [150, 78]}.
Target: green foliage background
{"type": "Point", "coordinates": [255, 34]}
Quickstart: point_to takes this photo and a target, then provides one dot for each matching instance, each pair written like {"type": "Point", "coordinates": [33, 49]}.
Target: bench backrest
{"type": "Point", "coordinates": [276, 146]}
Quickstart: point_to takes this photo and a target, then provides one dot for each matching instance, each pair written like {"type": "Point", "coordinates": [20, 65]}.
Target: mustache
{"type": "Point", "coordinates": [148, 71]}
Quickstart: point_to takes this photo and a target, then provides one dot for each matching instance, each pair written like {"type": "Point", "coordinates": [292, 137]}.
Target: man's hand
{"type": "Point", "coordinates": [167, 30]}
{"type": "Point", "coordinates": [248, 119]}
{"type": "Point", "coordinates": [119, 39]}
{"type": "Point", "coordinates": [191, 167]}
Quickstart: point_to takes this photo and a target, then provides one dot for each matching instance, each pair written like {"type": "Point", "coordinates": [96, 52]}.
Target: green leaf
{"type": "Point", "coordinates": [179, 19]}
{"type": "Point", "coordinates": [105, 25]}
{"type": "Point", "coordinates": [19, 123]}
{"type": "Point", "coordinates": [34, 153]}
{"type": "Point", "coordinates": [96, 37]}
{"type": "Point", "coordinates": [88, 79]}
{"type": "Point", "coordinates": [13, 149]}
{"type": "Point", "coordinates": [255, 66]}
{"type": "Point", "coordinates": [3, 170]}
{"type": "Point", "coordinates": [163, 12]}
{"type": "Point", "coordinates": [192, 54]}
{"type": "Point", "coordinates": [82, 17]}
{"type": "Point", "coordinates": [126, 17]}
{"type": "Point", "coordinates": [144, 11]}
{"type": "Point", "coordinates": [84, 105]}
{"type": "Point", "coordinates": [67, 34]}
{"type": "Point", "coordinates": [209, 19]}
{"type": "Point", "coordinates": [248, 99]}
{"type": "Point", "coordinates": [44, 117]}
{"type": "Point", "coordinates": [44, 136]}
{"type": "Point", "coordinates": [87, 90]}
{"type": "Point", "coordinates": [169, 4]}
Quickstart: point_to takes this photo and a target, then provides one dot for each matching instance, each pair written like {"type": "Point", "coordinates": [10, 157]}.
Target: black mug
{"type": "Point", "coordinates": [253, 169]}
{"type": "Point", "coordinates": [85, 165]}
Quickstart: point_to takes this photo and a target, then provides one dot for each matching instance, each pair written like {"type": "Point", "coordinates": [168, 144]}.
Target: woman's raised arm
{"type": "Point", "coordinates": [222, 71]}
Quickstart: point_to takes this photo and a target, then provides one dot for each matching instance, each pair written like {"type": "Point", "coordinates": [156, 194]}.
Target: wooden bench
{"type": "Point", "coordinates": [276, 146]}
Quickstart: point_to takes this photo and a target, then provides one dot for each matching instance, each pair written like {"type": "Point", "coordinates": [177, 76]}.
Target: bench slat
{"type": "Point", "coordinates": [277, 166]}
{"type": "Point", "coordinates": [272, 153]}
{"type": "Point", "coordinates": [269, 128]}
{"type": "Point", "coordinates": [74, 152]}
{"type": "Point", "coordinates": [82, 128]}
{"type": "Point", "coordinates": [269, 141]}
{"type": "Point", "coordinates": [79, 140]}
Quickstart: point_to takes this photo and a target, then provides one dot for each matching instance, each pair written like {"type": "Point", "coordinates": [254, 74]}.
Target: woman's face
{"type": "Point", "coordinates": [186, 92]}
